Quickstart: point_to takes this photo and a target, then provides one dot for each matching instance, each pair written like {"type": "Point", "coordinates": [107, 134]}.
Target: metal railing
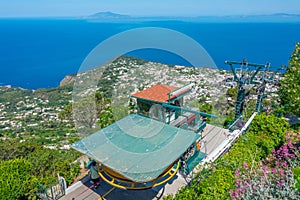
{"type": "Point", "coordinates": [56, 190]}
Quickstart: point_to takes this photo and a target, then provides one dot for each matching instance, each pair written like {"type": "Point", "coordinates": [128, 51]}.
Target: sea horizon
{"type": "Point", "coordinates": [39, 53]}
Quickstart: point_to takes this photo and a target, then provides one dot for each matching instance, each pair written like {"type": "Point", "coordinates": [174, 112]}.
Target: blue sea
{"type": "Point", "coordinates": [38, 53]}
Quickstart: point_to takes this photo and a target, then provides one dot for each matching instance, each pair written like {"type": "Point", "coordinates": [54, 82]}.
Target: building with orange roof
{"type": "Point", "coordinates": [164, 103]}
{"type": "Point", "coordinates": [157, 93]}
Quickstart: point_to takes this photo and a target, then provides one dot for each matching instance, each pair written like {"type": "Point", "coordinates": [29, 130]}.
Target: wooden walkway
{"type": "Point", "coordinates": [213, 136]}
{"type": "Point", "coordinates": [85, 191]}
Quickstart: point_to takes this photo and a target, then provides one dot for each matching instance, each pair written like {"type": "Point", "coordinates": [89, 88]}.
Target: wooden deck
{"type": "Point", "coordinates": [84, 191]}
{"type": "Point", "coordinates": [212, 136]}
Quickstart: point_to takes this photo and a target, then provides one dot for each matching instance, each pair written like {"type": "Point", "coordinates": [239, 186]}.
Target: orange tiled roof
{"type": "Point", "coordinates": [156, 93]}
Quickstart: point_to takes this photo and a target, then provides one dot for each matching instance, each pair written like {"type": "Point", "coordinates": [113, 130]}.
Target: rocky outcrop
{"type": "Point", "coordinates": [69, 79]}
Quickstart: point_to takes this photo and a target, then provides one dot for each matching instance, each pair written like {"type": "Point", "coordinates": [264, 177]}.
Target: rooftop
{"type": "Point", "coordinates": [137, 147]}
{"type": "Point", "coordinates": [160, 93]}
{"type": "Point", "coordinates": [156, 93]}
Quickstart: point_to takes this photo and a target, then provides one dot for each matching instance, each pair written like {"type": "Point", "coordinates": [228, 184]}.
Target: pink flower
{"type": "Point", "coordinates": [265, 168]}
{"type": "Point", "coordinates": [279, 184]}
{"type": "Point", "coordinates": [284, 149]}
{"type": "Point", "coordinates": [284, 164]}
{"type": "Point", "coordinates": [290, 145]}
{"type": "Point", "coordinates": [245, 166]}
{"type": "Point", "coordinates": [238, 183]}
{"type": "Point", "coordinates": [237, 172]}
{"type": "Point", "coordinates": [287, 136]}
{"type": "Point", "coordinates": [233, 194]}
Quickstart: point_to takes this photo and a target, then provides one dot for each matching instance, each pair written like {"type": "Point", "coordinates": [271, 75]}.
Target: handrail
{"type": "Point", "coordinates": [189, 110]}
{"type": "Point", "coordinates": [234, 122]}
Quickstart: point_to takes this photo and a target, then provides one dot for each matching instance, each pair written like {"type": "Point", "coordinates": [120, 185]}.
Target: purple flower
{"type": "Point", "coordinates": [237, 172]}
{"type": "Point", "coordinates": [287, 136]}
{"type": "Point", "coordinates": [233, 194]}
{"type": "Point", "coordinates": [290, 145]}
{"type": "Point", "coordinates": [284, 149]}
{"type": "Point", "coordinates": [238, 183]}
{"type": "Point", "coordinates": [279, 184]}
{"type": "Point", "coordinates": [239, 190]}
{"type": "Point", "coordinates": [265, 168]}
{"type": "Point", "coordinates": [245, 166]}
{"type": "Point", "coordinates": [284, 164]}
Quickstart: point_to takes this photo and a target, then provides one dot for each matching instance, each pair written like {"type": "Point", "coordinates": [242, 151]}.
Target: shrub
{"type": "Point", "coordinates": [265, 183]}
{"type": "Point", "coordinates": [265, 134]}
{"type": "Point", "coordinates": [289, 90]}
{"type": "Point", "coordinates": [44, 164]}
{"type": "Point", "coordinates": [296, 172]}
{"type": "Point", "coordinates": [273, 180]}
{"type": "Point", "coordinates": [271, 131]}
{"type": "Point", "coordinates": [16, 181]}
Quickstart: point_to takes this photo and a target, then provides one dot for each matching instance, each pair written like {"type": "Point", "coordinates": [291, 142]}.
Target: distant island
{"type": "Point", "coordinates": [107, 15]}
{"type": "Point", "coordinates": [276, 17]}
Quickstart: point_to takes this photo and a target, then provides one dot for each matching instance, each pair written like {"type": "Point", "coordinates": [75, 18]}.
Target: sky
{"type": "Point", "coordinates": [48, 8]}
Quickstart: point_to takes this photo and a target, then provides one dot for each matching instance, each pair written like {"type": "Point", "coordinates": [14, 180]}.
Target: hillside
{"type": "Point", "coordinates": [40, 123]}
{"type": "Point", "coordinates": [45, 114]}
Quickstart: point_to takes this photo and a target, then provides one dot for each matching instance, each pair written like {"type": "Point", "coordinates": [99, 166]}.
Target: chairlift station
{"type": "Point", "coordinates": [164, 140]}
{"type": "Point", "coordinates": [147, 149]}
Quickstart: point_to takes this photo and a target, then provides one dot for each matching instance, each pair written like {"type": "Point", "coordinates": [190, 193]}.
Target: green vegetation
{"type": "Point", "coordinates": [13, 94]}
{"type": "Point", "coordinates": [296, 172]}
{"type": "Point", "coordinates": [32, 115]}
{"type": "Point", "coordinates": [32, 122]}
{"type": "Point", "coordinates": [37, 128]}
{"type": "Point", "coordinates": [265, 134]}
{"type": "Point", "coordinates": [25, 163]}
{"type": "Point", "coordinates": [232, 92]}
{"type": "Point", "coordinates": [289, 91]}
{"type": "Point", "coordinates": [215, 181]}
{"type": "Point", "coordinates": [16, 181]}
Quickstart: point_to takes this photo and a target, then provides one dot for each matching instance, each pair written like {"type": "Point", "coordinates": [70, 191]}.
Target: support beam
{"type": "Point", "coordinates": [189, 110]}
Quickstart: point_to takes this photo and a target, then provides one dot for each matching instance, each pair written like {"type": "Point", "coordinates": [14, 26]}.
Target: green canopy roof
{"type": "Point", "coordinates": [137, 147]}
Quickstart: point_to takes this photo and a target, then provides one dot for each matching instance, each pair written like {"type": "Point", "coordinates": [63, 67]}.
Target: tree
{"type": "Point", "coordinates": [44, 163]}
{"type": "Point", "coordinates": [232, 92]}
{"type": "Point", "coordinates": [289, 90]}
{"type": "Point", "coordinates": [66, 113]}
{"type": "Point", "coordinates": [101, 102]}
{"type": "Point", "coordinates": [84, 112]}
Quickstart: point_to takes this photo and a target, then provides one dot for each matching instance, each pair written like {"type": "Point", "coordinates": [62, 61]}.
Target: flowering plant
{"type": "Point", "coordinates": [273, 178]}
